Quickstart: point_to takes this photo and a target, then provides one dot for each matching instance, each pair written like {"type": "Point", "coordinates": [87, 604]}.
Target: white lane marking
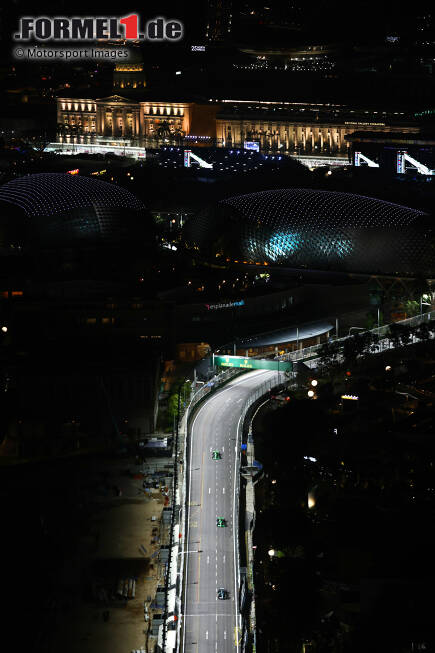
{"type": "Point", "coordinates": [224, 557]}
{"type": "Point", "coordinates": [234, 539]}
{"type": "Point", "coordinates": [209, 490]}
{"type": "Point", "coordinates": [208, 560]}
{"type": "Point", "coordinates": [206, 634]}
{"type": "Point", "coordinates": [223, 449]}
{"type": "Point", "coordinates": [223, 490]}
{"type": "Point", "coordinates": [225, 634]}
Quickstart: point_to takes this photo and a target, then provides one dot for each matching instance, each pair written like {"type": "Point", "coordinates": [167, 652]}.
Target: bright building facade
{"type": "Point", "coordinates": [287, 127]}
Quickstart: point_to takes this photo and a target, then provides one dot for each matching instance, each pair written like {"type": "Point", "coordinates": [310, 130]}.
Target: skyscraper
{"type": "Point", "coordinates": [219, 20]}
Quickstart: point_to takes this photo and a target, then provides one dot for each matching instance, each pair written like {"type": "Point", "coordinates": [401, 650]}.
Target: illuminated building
{"type": "Point", "coordinates": [297, 127]}
{"type": "Point", "coordinates": [285, 127]}
{"type": "Point", "coordinates": [317, 230]}
{"type": "Point", "coordinates": [117, 120]}
{"type": "Point", "coordinates": [129, 75]}
{"type": "Point", "coordinates": [57, 209]}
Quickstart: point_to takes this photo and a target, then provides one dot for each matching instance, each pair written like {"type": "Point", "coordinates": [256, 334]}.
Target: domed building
{"type": "Point", "coordinates": [317, 230]}
{"type": "Point", "coordinates": [55, 210]}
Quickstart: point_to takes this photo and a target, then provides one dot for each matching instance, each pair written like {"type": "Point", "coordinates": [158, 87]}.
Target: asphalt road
{"type": "Point", "coordinates": [211, 624]}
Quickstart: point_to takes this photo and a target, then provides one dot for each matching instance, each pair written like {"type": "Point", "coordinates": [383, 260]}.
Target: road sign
{"type": "Point", "coordinates": [253, 363]}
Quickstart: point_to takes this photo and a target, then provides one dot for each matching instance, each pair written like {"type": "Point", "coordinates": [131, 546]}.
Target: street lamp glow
{"type": "Point", "coordinates": [388, 368]}
{"type": "Point", "coordinates": [271, 552]}
{"type": "Point", "coordinates": [310, 393]}
{"type": "Point", "coordinates": [4, 329]}
{"type": "Point", "coordinates": [314, 383]}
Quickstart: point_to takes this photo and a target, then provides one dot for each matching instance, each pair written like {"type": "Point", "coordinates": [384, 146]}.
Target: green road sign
{"type": "Point", "coordinates": [252, 363]}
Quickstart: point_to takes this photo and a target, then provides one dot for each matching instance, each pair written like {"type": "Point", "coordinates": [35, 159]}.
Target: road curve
{"type": "Point", "coordinates": [210, 624]}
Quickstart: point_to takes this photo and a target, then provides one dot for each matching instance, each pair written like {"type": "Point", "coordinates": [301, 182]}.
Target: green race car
{"type": "Point", "coordinates": [216, 455]}
{"type": "Point", "coordinates": [221, 522]}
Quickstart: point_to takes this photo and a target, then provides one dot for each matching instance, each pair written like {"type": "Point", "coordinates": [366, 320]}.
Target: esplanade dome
{"type": "Point", "coordinates": [63, 210]}
{"type": "Point", "coordinates": [317, 230]}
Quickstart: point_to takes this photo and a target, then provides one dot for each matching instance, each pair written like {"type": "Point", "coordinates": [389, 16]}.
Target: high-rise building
{"type": "Point", "coordinates": [219, 20]}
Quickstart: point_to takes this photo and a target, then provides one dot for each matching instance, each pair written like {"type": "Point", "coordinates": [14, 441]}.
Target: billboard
{"type": "Point", "coordinates": [252, 363]}
{"type": "Point", "coordinates": [254, 146]}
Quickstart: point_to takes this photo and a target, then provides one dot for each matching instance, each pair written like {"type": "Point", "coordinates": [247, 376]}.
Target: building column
{"type": "Point", "coordinates": [124, 120]}
{"type": "Point", "coordinates": [113, 122]}
{"type": "Point", "coordinates": [136, 122]}
{"type": "Point", "coordinates": [141, 123]}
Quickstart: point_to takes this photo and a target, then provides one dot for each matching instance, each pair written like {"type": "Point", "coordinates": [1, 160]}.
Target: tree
{"type": "Point", "coordinates": [184, 392]}
{"type": "Point", "coordinates": [400, 334]}
{"type": "Point", "coordinates": [356, 346]}
{"type": "Point", "coordinates": [422, 331]}
{"type": "Point", "coordinates": [172, 408]}
{"type": "Point", "coordinates": [329, 353]}
{"type": "Point", "coordinates": [411, 307]}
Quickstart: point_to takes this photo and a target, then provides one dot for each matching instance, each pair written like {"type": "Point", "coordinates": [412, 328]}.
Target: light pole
{"type": "Point", "coordinates": [421, 304]}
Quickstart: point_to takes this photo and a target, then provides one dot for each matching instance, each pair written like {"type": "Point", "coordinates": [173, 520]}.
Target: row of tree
{"type": "Point", "coordinates": [368, 342]}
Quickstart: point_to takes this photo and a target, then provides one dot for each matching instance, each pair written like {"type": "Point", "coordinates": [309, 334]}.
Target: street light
{"type": "Point", "coordinates": [314, 383]}
{"type": "Point", "coordinates": [4, 329]}
{"type": "Point", "coordinates": [423, 303]}
{"type": "Point", "coordinates": [310, 393]}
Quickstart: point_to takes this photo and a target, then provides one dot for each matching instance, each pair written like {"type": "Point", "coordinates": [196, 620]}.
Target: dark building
{"type": "Point", "coordinates": [85, 335]}
{"type": "Point", "coordinates": [317, 230]}
{"type": "Point", "coordinates": [219, 19]}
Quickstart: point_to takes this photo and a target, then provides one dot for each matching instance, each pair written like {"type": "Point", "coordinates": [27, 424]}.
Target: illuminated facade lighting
{"type": "Point", "coordinates": [320, 230]}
